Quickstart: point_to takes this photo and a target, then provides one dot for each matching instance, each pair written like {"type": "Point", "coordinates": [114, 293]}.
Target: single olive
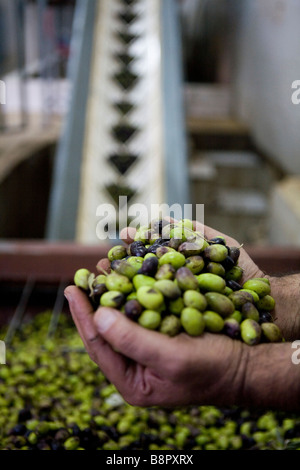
{"type": "Point", "coordinates": [213, 321]}
{"type": "Point", "coordinates": [150, 319]}
{"type": "Point", "coordinates": [81, 278]}
{"type": "Point", "coordinates": [117, 252]}
{"type": "Point", "coordinates": [192, 321]}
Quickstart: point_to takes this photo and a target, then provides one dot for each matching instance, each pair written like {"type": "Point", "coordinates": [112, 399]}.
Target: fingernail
{"type": "Point", "coordinates": [67, 295]}
{"type": "Point", "coordinates": [105, 319]}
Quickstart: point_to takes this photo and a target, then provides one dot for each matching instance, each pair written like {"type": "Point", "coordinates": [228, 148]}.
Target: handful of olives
{"type": "Point", "coordinates": [172, 279]}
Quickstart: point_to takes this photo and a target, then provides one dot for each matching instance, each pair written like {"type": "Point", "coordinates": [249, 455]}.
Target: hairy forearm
{"type": "Point", "coordinates": [270, 378]}
{"type": "Point", "coordinates": [286, 292]}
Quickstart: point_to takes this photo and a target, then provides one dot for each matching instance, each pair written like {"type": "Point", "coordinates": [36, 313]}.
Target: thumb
{"type": "Point", "coordinates": [145, 347]}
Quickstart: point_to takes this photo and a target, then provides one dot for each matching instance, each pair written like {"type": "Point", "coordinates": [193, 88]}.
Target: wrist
{"type": "Point", "coordinates": [271, 379]}
{"type": "Point", "coordinates": [286, 293]}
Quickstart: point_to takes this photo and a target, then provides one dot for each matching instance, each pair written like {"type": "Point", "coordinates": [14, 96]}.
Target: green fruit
{"type": "Point", "coordinates": [117, 282]}
{"type": "Point", "coordinates": [216, 253]}
{"type": "Point", "coordinates": [117, 252]}
{"type": "Point", "coordinates": [227, 291]}
{"type": "Point", "coordinates": [81, 278]}
{"type": "Point", "coordinates": [176, 306]}
{"type": "Point", "coordinates": [125, 268]}
{"type": "Point", "coordinates": [264, 279]}
{"type": "Point", "coordinates": [237, 316]}
{"type": "Point", "coordinates": [166, 271]}
{"type": "Point", "coordinates": [240, 298]}
{"type": "Point", "coordinates": [260, 287]}
{"type": "Point", "coordinates": [114, 299]}
{"type": "Point", "coordinates": [72, 443]}
{"type": "Point", "coordinates": [186, 279]}
{"type": "Point", "coordinates": [211, 282]}
{"type": "Point", "coordinates": [187, 223]}
{"type": "Point", "coordinates": [216, 268]}
{"type": "Point", "coordinates": [174, 258]}
{"type": "Point", "coordinates": [150, 298]}
{"type": "Point", "coordinates": [219, 303]}
{"type": "Point", "coordinates": [234, 274]}
{"type": "Point", "coordinates": [195, 264]}
{"type": "Point", "coordinates": [100, 279]}
{"type": "Point", "coordinates": [192, 321]}
{"type": "Point", "coordinates": [266, 303]}
{"type": "Point", "coordinates": [194, 299]}
{"type": "Point", "coordinates": [213, 322]}
{"type": "Point", "coordinates": [142, 234]}
{"type": "Point", "coordinates": [189, 249]}
{"type": "Point", "coordinates": [142, 280]}
{"type": "Point", "coordinates": [170, 325]}
{"type": "Point", "coordinates": [250, 311]}
{"type": "Point", "coordinates": [163, 250]}
{"type": "Point", "coordinates": [250, 332]}
{"type": "Point", "coordinates": [132, 296]}
{"type": "Point", "coordinates": [271, 332]}
{"type": "Point", "coordinates": [252, 292]}
{"type": "Point", "coordinates": [150, 319]}
{"type": "Point", "coordinates": [168, 288]}
{"type": "Point", "coordinates": [149, 255]}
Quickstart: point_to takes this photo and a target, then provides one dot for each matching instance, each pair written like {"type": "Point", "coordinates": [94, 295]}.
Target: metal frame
{"type": "Point", "coordinates": [63, 205]}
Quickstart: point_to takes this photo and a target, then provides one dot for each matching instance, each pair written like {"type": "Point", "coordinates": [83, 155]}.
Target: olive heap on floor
{"type": "Point", "coordinates": [173, 280]}
{"type": "Point", "coordinates": [53, 397]}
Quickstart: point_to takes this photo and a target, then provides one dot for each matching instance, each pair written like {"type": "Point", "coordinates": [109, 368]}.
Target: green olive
{"type": "Point", "coordinates": [117, 252]}
{"type": "Point", "coordinates": [211, 282]}
{"type": "Point", "coordinates": [81, 278]}
{"type": "Point", "coordinates": [150, 319]}
{"type": "Point", "coordinates": [213, 322]}
{"type": "Point", "coordinates": [192, 321]}
{"type": "Point", "coordinates": [150, 297]}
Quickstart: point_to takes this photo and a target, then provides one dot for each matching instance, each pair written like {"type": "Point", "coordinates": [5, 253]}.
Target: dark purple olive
{"type": "Point", "coordinates": [232, 328]}
{"type": "Point", "coordinates": [234, 253]}
{"type": "Point", "coordinates": [228, 263]}
{"type": "Point", "coordinates": [233, 285]}
{"type": "Point", "coordinates": [218, 240]}
{"type": "Point", "coordinates": [265, 317]}
{"type": "Point", "coordinates": [133, 309]}
{"type": "Point", "coordinates": [149, 266]}
{"type": "Point", "coordinates": [99, 289]}
{"type": "Point", "coordinates": [137, 249]}
{"type": "Point", "coordinates": [115, 263]}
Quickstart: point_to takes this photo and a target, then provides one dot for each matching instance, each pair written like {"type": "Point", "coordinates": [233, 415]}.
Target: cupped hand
{"type": "Point", "coordinates": [250, 269]}
{"type": "Point", "coordinates": [149, 368]}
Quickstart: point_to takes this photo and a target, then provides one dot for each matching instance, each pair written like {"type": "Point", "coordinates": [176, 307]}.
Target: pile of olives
{"type": "Point", "coordinates": [172, 279]}
{"type": "Point", "coordinates": [53, 397]}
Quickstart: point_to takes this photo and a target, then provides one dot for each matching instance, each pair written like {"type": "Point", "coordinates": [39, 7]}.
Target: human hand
{"type": "Point", "coordinates": [250, 269]}
{"type": "Point", "coordinates": [149, 368]}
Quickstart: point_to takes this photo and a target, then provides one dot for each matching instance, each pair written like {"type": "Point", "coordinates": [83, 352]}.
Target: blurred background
{"type": "Point", "coordinates": [175, 101]}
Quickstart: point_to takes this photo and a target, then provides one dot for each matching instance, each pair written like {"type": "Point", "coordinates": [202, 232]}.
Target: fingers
{"type": "Point", "coordinates": [148, 348]}
{"type": "Point", "coordinates": [112, 364]}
